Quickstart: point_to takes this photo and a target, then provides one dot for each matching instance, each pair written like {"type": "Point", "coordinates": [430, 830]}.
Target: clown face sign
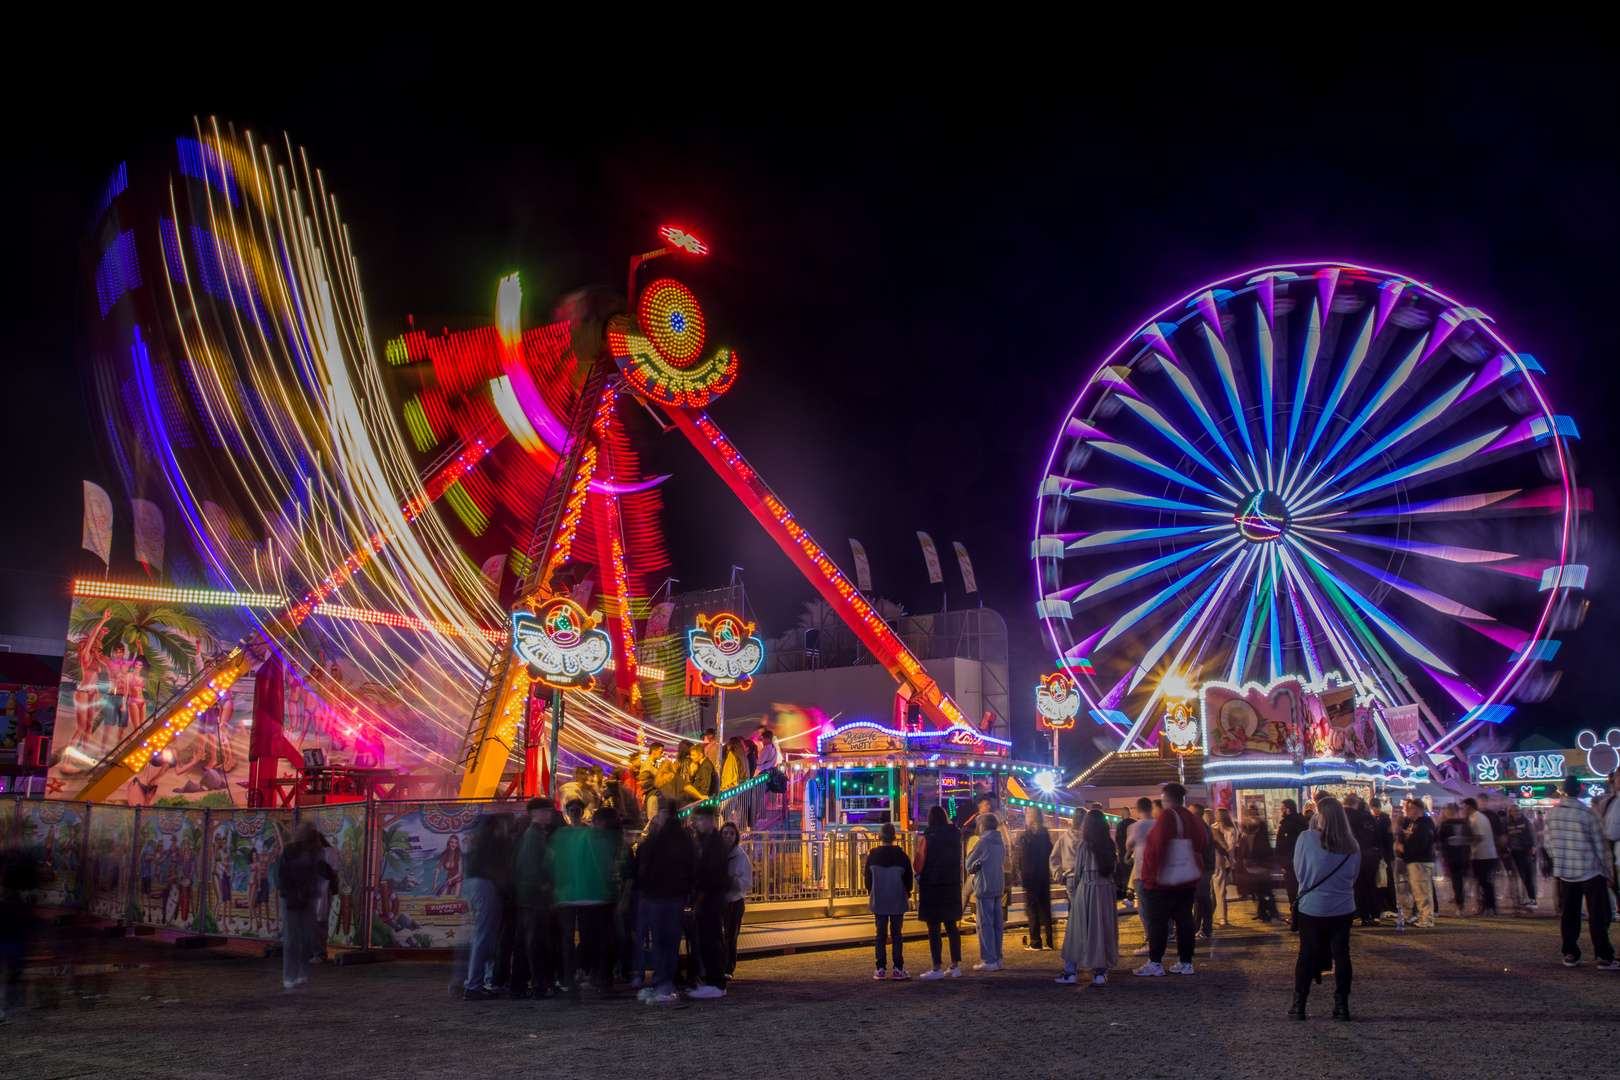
{"type": "Point", "coordinates": [561, 644]}
{"type": "Point", "coordinates": [726, 651]}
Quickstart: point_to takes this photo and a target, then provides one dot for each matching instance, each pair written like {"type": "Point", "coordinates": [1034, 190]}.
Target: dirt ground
{"type": "Point", "coordinates": [1472, 998]}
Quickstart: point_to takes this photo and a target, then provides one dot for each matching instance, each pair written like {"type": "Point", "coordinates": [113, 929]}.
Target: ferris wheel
{"type": "Point", "coordinates": [1323, 471]}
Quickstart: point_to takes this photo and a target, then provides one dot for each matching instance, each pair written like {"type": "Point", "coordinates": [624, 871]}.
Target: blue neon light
{"type": "Point", "coordinates": [117, 273]}
{"type": "Point", "coordinates": [204, 162]}
{"type": "Point", "coordinates": [115, 186]}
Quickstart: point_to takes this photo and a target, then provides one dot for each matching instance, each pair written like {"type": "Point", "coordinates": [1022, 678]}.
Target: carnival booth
{"type": "Point", "coordinates": [867, 774]}
{"type": "Point", "coordinates": [1534, 774]}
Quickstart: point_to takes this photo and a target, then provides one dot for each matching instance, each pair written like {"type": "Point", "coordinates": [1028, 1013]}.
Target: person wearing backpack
{"type": "Point", "coordinates": [299, 873]}
{"type": "Point", "coordinates": [1172, 865]}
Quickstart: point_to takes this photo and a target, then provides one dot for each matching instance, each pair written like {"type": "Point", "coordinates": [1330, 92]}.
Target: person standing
{"type": "Point", "coordinates": [1204, 909]}
{"type": "Point", "coordinates": [740, 873]}
{"type": "Point", "coordinates": [488, 860]}
{"type": "Point", "coordinates": [666, 861]}
{"type": "Point", "coordinates": [1257, 855]}
{"type": "Point", "coordinates": [1384, 900]}
{"type": "Point", "coordinates": [734, 773]}
{"type": "Point", "coordinates": [712, 749]}
{"type": "Point", "coordinates": [1581, 866]}
{"type": "Point", "coordinates": [579, 861]}
{"type": "Point", "coordinates": [1417, 843]}
{"type": "Point", "coordinates": [939, 890]}
{"type": "Point", "coordinates": [888, 889]}
{"type": "Point", "coordinates": [697, 776]}
{"type": "Point", "coordinates": [1484, 855]}
{"type": "Point", "coordinates": [1289, 828]}
{"type": "Point", "coordinates": [1365, 829]}
{"type": "Point", "coordinates": [1328, 861]}
{"type": "Point", "coordinates": [1225, 835]}
{"type": "Point", "coordinates": [532, 891]}
{"type": "Point", "coordinates": [1091, 938]}
{"type": "Point", "coordinates": [301, 870]}
{"type": "Point", "coordinates": [1521, 849]}
{"type": "Point", "coordinates": [987, 871]}
{"type": "Point", "coordinates": [768, 762]}
{"type": "Point", "coordinates": [1456, 844]}
{"type": "Point", "coordinates": [1135, 840]}
{"type": "Point", "coordinates": [1172, 863]}
{"type": "Point", "coordinates": [1035, 871]}
{"type": "Point", "coordinates": [709, 904]}
{"type": "Point", "coordinates": [648, 780]}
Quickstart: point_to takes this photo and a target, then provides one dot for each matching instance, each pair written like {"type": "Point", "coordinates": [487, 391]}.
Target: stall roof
{"type": "Point", "coordinates": [1138, 768]}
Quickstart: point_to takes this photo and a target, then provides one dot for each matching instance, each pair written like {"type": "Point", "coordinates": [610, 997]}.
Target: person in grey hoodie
{"type": "Point", "coordinates": [985, 869]}
{"type": "Point", "coordinates": [888, 889]}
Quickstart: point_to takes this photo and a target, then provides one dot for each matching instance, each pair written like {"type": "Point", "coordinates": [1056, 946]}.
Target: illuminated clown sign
{"type": "Point", "coordinates": [561, 644]}
{"type": "Point", "coordinates": [726, 651]}
{"type": "Point", "coordinates": [1057, 700]}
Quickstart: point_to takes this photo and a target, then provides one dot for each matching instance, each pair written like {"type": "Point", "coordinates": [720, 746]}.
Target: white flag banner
{"type": "Point", "coordinates": [493, 569]}
{"type": "Point", "coordinates": [931, 557]}
{"type": "Point", "coordinates": [658, 619]}
{"type": "Point", "coordinates": [98, 522]}
{"type": "Point", "coordinates": [148, 533]}
{"type": "Point", "coordinates": [966, 564]}
{"type": "Point", "coordinates": [1402, 722]}
{"type": "Point", "coordinates": [863, 569]}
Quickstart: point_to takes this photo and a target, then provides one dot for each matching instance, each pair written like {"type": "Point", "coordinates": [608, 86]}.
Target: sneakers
{"type": "Point", "coordinates": [1608, 965]}
{"type": "Point", "coordinates": [1099, 980]}
{"type": "Point", "coordinates": [646, 992]}
{"type": "Point", "coordinates": [1570, 961]}
{"type": "Point", "coordinates": [1149, 969]}
{"type": "Point", "coordinates": [706, 993]}
{"type": "Point", "coordinates": [663, 999]}
{"type": "Point", "coordinates": [1532, 905]}
{"type": "Point", "coordinates": [1143, 951]}
{"type": "Point", "coordinates": [899, 974]}
{"type": "Point", "coordinates": [1200, 936]}
{"type": "Point", "coordinates": [1182, 968]}
{"type": "Point", "coordinates": [932, 974]}
{"type": "Point", "coordinates": [955, 972]}
{"type": "Point", "coordinates": [477, 994]}
{"type": "Point", "coordinates": [1032, 948]}
{"type": "Point", "coordinates": [1424, 924]}
{"type": "Point", "coordinates": [1065, 980]}
{"type": "Point", "coordinates": [986, 965]}
{"type": "Point", "coordinates": [880, 974]}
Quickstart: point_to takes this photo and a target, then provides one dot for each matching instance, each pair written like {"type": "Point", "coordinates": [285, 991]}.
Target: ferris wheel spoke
{"type": "Point", "coordinates": [1307, 369]}
{"type": "Point", "coordinates": [1509, 637]}
{"type": "Point", "coordinates": [1229, 383]}
{"type": "Point", "coordinates": [1089, 594]}
{"type": "Point", "coordinates": [1429, 469]}
{"type": "Point", "coordinates": [1268, 377]}
{"type": "Point", "coordinates": [1397, 633]}
{"type": "Point", "coordinates": [1366, 421]}
{"type": "Point", "coordinates": [1156, 420]}
{"type": "Point", "coordinates": [1347, 374]}
{"type": "Point", "coordinates": [1197, 613]}
{"type": "Point", "coordinates": [1121, 497]}
{"type": "Point", "coordinates": [1539, 502]}
{"type": "Point", "coordinates": [1503, 561]}
{"type": "Point", "coordinates": [1423, 417]}
{"type": "Point", "coordinates": [1195, 402]}
{"type": "Point", "coordinates": [1142, 461]}
{"type": "Point", "coordinates": [1259, 599]}
{"type": "Point", "coordinates": [1125, 539]}
{"type": "Point", "coordinates": [1154, 602]}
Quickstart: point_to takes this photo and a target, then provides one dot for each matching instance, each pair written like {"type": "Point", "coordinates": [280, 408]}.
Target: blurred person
{"type": "Point", "coordinates": [1035, 872]}
{"type": "Point", "coordinates": [323, 904]}
{"type": "Point", "coordinates": [579, 860]}
{"type": "Point", "coordinates": [665, 863]}
{"type": "Point", "coordinates": [1172, 864]}
{"type": "Point", "coordinates": [769, 760]}
{"type": "Point", "coordinates": [697, 776]}
{"type": "Point", "coordinates": [1091, 936]}
{"type": "Point", "coordinates": [647, 778]}
{"type": "Point", "coordinates": [1257, 856]}
{"type": "Point", "coordinates": [986, 868]}
{"type": "Point", "coordinates": [713, 880]}
{"type": "Point", "coordinates": [19, 874]}
{"type": "Point", "coordinates": [712, 748]}
{"type": "Point", "coordinates": [1328, 862]}
{"type": "Point", "coordinates": [1123, 860]}
{"type": "Point", "coordinates": [1521, 850]}
{"type": "Point", "coordinates": [581, 790]}
{"type": "Point", "coordinates": [740, 872]}
{"type": "Point", "coordinates": [1289, 826]}
{"type": "Point", "coordinates": [1483, 857]}
{"type": "Point", "coordinates": [299, 873]}
{"type": "Point", "coordinates": [1456, 844]}
{"type": "Point", "coordinates": [1135, 841]}
{"type": "Point", "coordinates": [1225, 836]}
{"type": "Point", "coordinates": [888, 889]}
{"type": "Point", "coordinates": [1365, 829]}
{"type": "Point", "coordinates": [1417, 844]}
{"type": "Point", "coordinates": [488, 866]}
{"type": "Point", "coordinates": [939, 890]}
{"type": "Point", "coordinates": [1204, 906]}
{"type": "Point", "coordinates": [532, 892]}
{"type": "Point", "coordinates": [1584, 874]}
{"type": "Point", "coordinates": [734, 772]}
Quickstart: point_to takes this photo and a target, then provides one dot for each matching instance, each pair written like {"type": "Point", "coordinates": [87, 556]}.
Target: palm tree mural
{"type": "Point", "coordinates": [170, 639]}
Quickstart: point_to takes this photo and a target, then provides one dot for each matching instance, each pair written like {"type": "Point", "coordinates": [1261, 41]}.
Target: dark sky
{"type": "Point", "coordinates": [919, 264]}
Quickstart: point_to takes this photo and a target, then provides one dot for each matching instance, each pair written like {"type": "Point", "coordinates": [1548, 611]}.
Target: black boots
{"type": "Point", "coordinates": [1341, 1006]}
{"type": "Point", "coordinates": [1296, 1011]}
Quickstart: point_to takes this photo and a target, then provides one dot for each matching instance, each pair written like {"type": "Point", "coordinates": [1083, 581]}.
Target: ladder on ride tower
{"type": "Point", "coordinates": [538, 553]}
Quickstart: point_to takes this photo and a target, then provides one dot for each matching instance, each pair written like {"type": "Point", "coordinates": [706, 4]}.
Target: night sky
{"type": "Point", "coordinates": [918, 265]}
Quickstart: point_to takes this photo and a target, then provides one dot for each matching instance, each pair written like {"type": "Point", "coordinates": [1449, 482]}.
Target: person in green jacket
{"type": "Point", "coordinates": [580, 860]}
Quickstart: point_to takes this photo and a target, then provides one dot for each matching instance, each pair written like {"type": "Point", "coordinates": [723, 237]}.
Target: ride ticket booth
{"type": "Point", "coordinates": [868, 774]}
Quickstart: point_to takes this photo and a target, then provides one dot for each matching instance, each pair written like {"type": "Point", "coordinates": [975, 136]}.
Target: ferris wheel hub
{"type": "Point", "coordinates": [1262, 517]}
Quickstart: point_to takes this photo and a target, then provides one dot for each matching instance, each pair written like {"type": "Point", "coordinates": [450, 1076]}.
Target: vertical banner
{"type": "Point", "coordinates": [931, 557]}
{"type": "Point", "coordinates": [966, 564]}
{"type": "Point", "coordinates": [493, 569]}
{"type": "Point", "coordinates": [1402, 722]}
{"type": "Point", "coordinates": [148, 533]}
{"type": "Point", "coordinates": [658, 620]}
{"type": "Point", "coordinates": [109, 861]}
{"type": "Point", "coordinates": [98, 521]}
{"type": "Point", "coordinates": [344, 827]}
{"type": "Point", "coordinates": [169, 867]}
{"type": "Point", "coordinates": [244, 849]}
{"type": "Point", "coordinates": [863, 568]}
{"type": "Point", "coordinates": [54, 833]}
{"type": "Point", "coordinates": [421, 858]}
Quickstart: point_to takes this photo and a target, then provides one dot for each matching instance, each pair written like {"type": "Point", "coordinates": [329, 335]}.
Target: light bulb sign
{"type": "Point", "coordinates": [561, 644]}
{"type": "Point", "coordinates": [1057, 700]}
{"type": "Point", "coordinates": [726, 651]}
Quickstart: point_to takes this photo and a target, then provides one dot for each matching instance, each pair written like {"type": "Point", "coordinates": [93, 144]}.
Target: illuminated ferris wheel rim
{"type": "Point", "coordinates": [1260, 509]}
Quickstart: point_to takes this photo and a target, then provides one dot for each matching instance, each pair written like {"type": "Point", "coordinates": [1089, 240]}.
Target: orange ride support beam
{"type": "Point", "coordinates": [821, 571]}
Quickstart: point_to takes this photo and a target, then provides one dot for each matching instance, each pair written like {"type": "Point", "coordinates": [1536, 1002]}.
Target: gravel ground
{"type": "Point", "coordinates": [1473, 998]}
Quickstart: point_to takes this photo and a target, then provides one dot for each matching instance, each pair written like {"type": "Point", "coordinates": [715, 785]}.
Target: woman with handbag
{"type": "Point", "coordinates": [1326, 861]}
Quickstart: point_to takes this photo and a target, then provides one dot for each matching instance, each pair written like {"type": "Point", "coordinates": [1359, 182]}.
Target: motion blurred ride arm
{"type": "Point", "coordinates": [816, 566]}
